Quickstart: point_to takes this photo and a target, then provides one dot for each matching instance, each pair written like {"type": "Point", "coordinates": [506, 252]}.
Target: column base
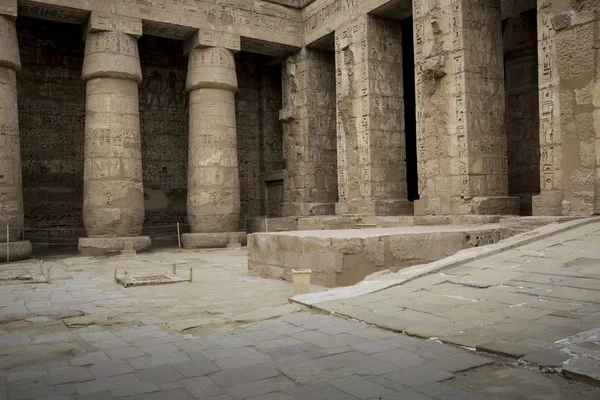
{"type": "Point", "coordinates": [307, 209]}
{"type": "Point", "coordinates": [548, 203]}
{"type": "Point", "coordinates": [215, 240]}
{"type": "Point", "coordinates": [375, 207]}
{"type": "Point", "coordinates": [17, 250]}
{"type": "Point", "coordinates": [492, 205]}
{"type": "Point", "coordinates": [112, 245]}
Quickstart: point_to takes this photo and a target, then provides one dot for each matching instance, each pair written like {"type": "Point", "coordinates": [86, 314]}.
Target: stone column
{"type": "Point", "coordinates": [213, 172]}
{"type": "Point", "coordinates": [461, 145]}
{"type": "Point", "coordinates": [569, 96]}
{"type": "Point", "coordinates": [309, 138]}
{"type": "Point", "coordinates": [370, 118]}
{"type": "Point", "coordinates": [113, 203]}
{"type": "Point", "coordinates": [11, 190]}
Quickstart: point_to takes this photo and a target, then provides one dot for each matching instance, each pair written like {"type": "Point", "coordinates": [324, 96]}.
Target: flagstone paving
{"type": "Point", "coordinates": [225, 336]}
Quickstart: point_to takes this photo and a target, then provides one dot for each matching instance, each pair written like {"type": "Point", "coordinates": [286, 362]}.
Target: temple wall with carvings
{"type": "Point", "coordinates": [521, 117]}
{"type": "Point", "coordinates": [51, 97]}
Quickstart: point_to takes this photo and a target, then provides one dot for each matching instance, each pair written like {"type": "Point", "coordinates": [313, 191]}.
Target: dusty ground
{"type": "Point", "coordinates": [224, 336]}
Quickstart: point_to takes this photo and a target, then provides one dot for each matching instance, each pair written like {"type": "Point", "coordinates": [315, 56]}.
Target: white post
{"type": "Point", "coordinates": [266, 225]}
{"type": "Point", "coordinates": [178, 236]}
{"type": "Point", "coordinates": [7, 244]}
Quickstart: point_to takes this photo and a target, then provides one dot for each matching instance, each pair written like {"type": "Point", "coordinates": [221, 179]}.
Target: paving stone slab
{"type": "Point", "coordinates": [460, 363]}
{"type": "Point", "coordinates": [400, 358]}
{"type": "Point", "coordinates": [202, 387]}
{"type": "Point", "coordinates": [100, 385]}
{"type": "Point", "coordinates": [195, 368]}
{"type": "Point", "coordinates": [504, 348]}
{"type": "Point", "coordinates": [164, 374]}
{"type": "Point", "coordinates": [419, 375]}
{"type": "Point", "coordinates": [105, 369]}
{"type": "Point", "coordinates": [68, 375]}
{"type": "Point", "coordinates": [360, 387]}
{"type": "Point", "coordinates": [235, 376]}
{"type": "Point", "coordinates": [258, 388]}
{"type": "Point", "coordinates": [132, 390]}
{"type": "Point", "coordinates": [445, 392]}
{"type": "Point", "coordinates": [304, 372]}
{"type": "Point", "coordinates": [319, 391]}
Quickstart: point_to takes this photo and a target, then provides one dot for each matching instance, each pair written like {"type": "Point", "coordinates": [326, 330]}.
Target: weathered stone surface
{"type": "Point", "coordinates": [16, 250]}
{"type": "Point", "coordinates": [100, 246]}
{"type": "Point", "coordinates": [309, 133]}
{"type": "Point", "coordinates": [211, 240]}
{"type": "Point", "coordinates": [213, 173]}
{"type": "Point", "coordinates": [113, 200]}
{"type": "Point", "coordinates": [370, 113]}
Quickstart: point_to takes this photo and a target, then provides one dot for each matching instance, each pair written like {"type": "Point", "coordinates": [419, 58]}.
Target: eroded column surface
{"type": "Point", "coordinates": [370, 119]}
{"type": "Point", "coordinates": [213, 173]}
{"type": "Point", "coordinates": [569, 95]}
{"type": "Point", "coordinates": [11, 190]}
{"type": "Point", "coordinates": [113, 204]}
{"type": "Point", "coordinates": [461, 145]}
{"type": "Point", "coordinates": [309, 135]}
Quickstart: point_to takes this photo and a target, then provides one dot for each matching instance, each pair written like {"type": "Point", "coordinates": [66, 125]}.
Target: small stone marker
{"type": "Point", "coordinates": [234, 242]}
{"type": "Point", "coordinates": [301, 281]}
{"type": "Point", "coordinates": [128, 250]}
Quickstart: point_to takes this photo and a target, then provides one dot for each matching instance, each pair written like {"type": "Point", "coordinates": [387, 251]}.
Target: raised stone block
{"type": "Point", "coordinates": [209, 38]}
{"type": "Point", "coordinates": [210, 240]}
{"type": "Point", "coordinates": [8, 8]}
{"type": "Point", "coordinates": [114, 245]}
{"type": "Point", "coordinates": [16, 250]}
{"type": "Point", "coordinates": [100, 21]}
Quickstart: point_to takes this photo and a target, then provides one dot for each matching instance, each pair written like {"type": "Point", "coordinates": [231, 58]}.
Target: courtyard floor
{"type": "Point", "coordinates": [223, 336]}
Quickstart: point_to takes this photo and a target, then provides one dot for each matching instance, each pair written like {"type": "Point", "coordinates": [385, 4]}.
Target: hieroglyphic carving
{"type": "Point", "coordinates": [370, 119]}
{"type": "Point", "coordinates": [51, 116]}
{"type": "Point", "coordinates": [522, 110]}
{"type": "Point", "coordinates": [310, 184]}
{"type": "Point", "coordinates": [459, 64]}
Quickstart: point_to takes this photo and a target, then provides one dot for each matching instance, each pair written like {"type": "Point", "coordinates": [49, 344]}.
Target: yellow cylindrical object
{"type": "Point", "coordinates": [301, 281]}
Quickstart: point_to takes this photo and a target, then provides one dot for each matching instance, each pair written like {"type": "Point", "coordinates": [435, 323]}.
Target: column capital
{"type": "Point", "coordinates": [203, 38]}
{"type": "Point", "coordinates": [212, 68]}
{"type": "Point", "coordinates": [105, 22]}
{"type": "Point", "coordinates": [110, 54]}
{"type": "Point", "coordinates": [9, 45]}
{"type": "Point", "coordinates": [8, 9]}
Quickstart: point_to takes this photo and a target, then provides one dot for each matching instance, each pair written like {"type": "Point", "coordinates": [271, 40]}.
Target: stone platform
{"type": "Point", "coordinates": [327, 222]}
{"type": "Point", "coordinates": [214, 240]}
{"type": "Point", "coordinates": [344, 257]}
{"type": "Point", "coordinates": [17, 250]}
{"type": "Point", "coordinates": [107, 246]}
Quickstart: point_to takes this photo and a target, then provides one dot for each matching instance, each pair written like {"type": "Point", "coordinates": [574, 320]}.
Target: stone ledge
{"type": "Point", "coordinates": [112, 245]}
{"type": "Point", "coordinates": [17, 250]}
{"type": "Point", "coordinates": [210, 240]}
{"type": "Point", "coordinates": [418, 271]}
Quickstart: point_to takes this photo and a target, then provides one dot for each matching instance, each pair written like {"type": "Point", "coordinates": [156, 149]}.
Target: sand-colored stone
{"type": "Point", "coordinates": [113, 204]}
{"type": "Point", "coordinates": [371, 149]}
{"type": "Point", "coordinates": [11, 192]}
{"type": "Point", "coordinates": [345, 257]}
{"type": "Point", "coordinates": [461, 146]}
{"type": "Point", "coordinates": [213, 173]}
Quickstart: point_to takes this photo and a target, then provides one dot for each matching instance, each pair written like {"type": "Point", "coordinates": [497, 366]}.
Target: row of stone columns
{"type": "Point", "coordinates": [461, 144]}
{"type": "Point", "coordinates": [113, 203]}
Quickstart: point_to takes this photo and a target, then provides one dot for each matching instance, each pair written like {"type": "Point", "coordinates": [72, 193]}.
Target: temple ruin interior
{"type": "Point", "coordinates": [145, 121]}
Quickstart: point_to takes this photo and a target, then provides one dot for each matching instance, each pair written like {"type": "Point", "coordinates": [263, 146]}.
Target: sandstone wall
{"type": "Point", "coordinates": [569, 76]}
{"type": "Point", "coordinates": [309, 133]}
{"type": "Point", "coordinates": [521, 118]}
{"type": "Point", "coordinates": [51, 117]}
{"type": "Point", "coordinates": [164, 127]}
{"type": "Point", "coordinates": [248, 128]}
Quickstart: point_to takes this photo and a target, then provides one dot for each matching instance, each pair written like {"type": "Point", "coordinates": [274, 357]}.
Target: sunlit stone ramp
{"type": "Point", "coordinates": [345, 257]}
{"type": "Point", "coordinates": [387, 279]}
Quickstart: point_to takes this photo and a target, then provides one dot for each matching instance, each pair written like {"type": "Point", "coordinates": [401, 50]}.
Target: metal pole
{"type": "Point", "coordinates": [49, 269]}
{"type": "Point", "coordinates": [178, 236]}
{"type": "Point", "coordinates": [191, 275]}
{"type": "Point", "coordinates": [7, 244]}
{"type": "Point", "coordinates": [266, 225]}
{"type": "Point", "coordinates": [174, 269]}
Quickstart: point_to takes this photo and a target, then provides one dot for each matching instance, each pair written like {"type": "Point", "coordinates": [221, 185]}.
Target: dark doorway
{"type": "Point", "coordinates": [410, 121]}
